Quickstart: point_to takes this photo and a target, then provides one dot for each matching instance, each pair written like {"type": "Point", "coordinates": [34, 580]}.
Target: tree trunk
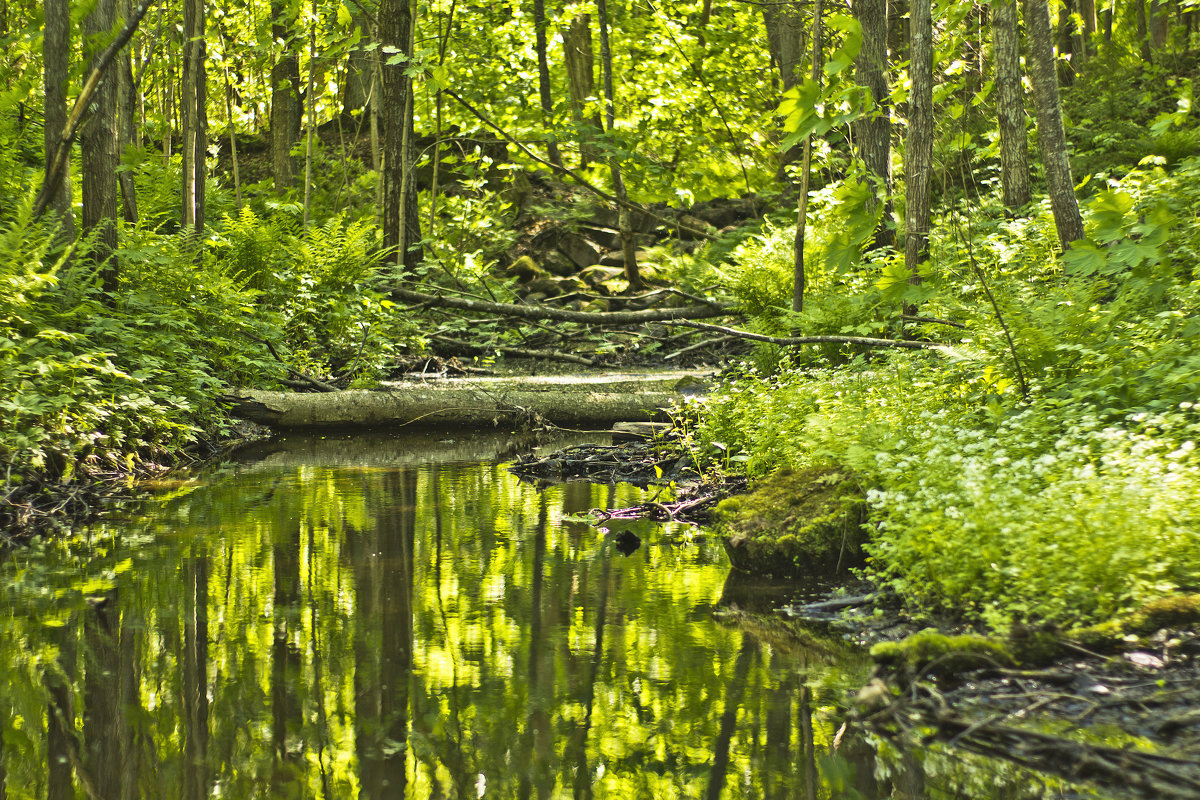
{"type": "Point", "coordinates": [463, 404]}
{"type": "Point", "coordinates": [285, 95]}
{"type": "Point", "coordinates": [1143, 35]}
{"type": "Point", "coordinates": [798, 274]}
{"type": "Point", "coordinates": [1160, 23]}
{"type": "Point", "coordinates": [310, 102]}
{"type": "Point", "coordinates": [1010, 105]}
{"type": "Point", "coordinates": [581, 79]}
{"type": "Point", "coordinates": [1087, 11]}
{"type": "Point", "coordinates": [56, 56]}
{"type": "Point", "coordinates": [1051, 133]}
{"type": "Point", "coordinates": [401, 226]}
{"type": "Point", "coordinates": [784, 23]}
{"type": "Point", "coordinates": [918, 155]}
{"type": "Point", "coordinates": [547, 101]}
{"type": "Point", "coordinates": [785, 38]}
{"type": "Point", "coordinates": [194, 115]}
{"type": "Point", "coordinates": [1067, 44]}
{"type": "Point", "coordinates": [628, 243]}
{"type": "Point", "coordinates": [100, 161]}
{"type": "Point", "coordinates": [873, 134]}
{"type": "Point", "coordinates": [127, 108]}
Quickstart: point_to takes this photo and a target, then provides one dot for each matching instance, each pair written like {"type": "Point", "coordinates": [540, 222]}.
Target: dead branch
{"type": "Point", "coordinates": [794, 340]}
{"type": "Point", "coordinates": [562, 314]}
{"type": "Point", "coordinates": [521, 352]}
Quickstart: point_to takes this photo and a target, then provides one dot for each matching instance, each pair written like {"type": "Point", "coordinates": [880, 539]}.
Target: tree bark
{"type": "Point", "coordinates": [785, 39]}
{"type": "Point", "coordinates": [56, 58]}
{"type": "Point", "coordinates": [918, 155]}
{"type": "Point", "coordinates": [581, 79]}
{"type": "Point", "coordinates": [547, 101]}
{"type": "Point", "coordinates": [628, 243]}
{"type": "Point", "coordinates": [1143, 35]}
{"type": "Point", "coordinates": [873, 134]}
{"type": "Point", "coordinates": [127, 108]}
{"type": "Point", "coordinates": [1010, 105]}
{"type": "Point", "coordinates": [798, 275]}
{"type": "Point", "coordinates": [98, 143]}
{"type": "Point", "coordinates": [285, 95]}
{"type": "Point", "coordinates": [1051, 133]}
{"type": "Point", "coordinates": [485, 405]}
{"type": "Point", "coordinates": [194, 115]}
{"type": "Point", "coordinates": [401, 226]}
{"type": "Point", "coordinates": [1160, 23]}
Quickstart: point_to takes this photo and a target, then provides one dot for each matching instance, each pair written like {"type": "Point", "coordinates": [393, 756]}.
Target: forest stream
{"type": "Point", "coordinates": [400, 616]}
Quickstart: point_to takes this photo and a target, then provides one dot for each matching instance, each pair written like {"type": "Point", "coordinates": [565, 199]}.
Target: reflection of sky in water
{"type": "Point", "coordinates": [292, 629]}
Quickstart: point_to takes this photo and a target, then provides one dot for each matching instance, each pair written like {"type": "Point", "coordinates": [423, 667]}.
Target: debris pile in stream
{"type": "Point", "coordinates": [641, 462]}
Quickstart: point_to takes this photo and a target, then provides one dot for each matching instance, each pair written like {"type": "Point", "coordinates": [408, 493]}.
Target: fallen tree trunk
{"type": "Point", "coordinates": [562, 401]}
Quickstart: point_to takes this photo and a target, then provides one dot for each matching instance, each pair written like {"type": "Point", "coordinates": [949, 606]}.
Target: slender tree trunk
{"type": "Point", "coordinates": [127, 109]}
{"type": "Point", "coordinates": [1087, 11]}
{"type": "Point", "coordinates": [547, 101]}
{"type": "Point", "coordinates": [56, 56]}
{"type": "Point", "coordinates": [401, 226]}
{"type": "Point", "coordinates": [233, 151]}
{"type": "Point", "coordinates": [1010, 105]}
{"type": "Point", "coordinates": [873, 134]}
{"type": "Point", "coordinates": [1143, 35]}
{"type": "Point", "coordinates": [285, 94]}
{"type": "Point", "coordinates": [581, 79]}
{"type": "Point", "coordinates": [1051, 133]}
{"type": "Point", "coordinates": [1068, 42]}
{"type": "Point", "coordinates": [100, 161]}
{"type": "Point", "coordinates": [799, 278]}
{"type": "Point", "coordinates": [194, 115]}
{"type": "Point", "coordinates": [628, 243]}
{"type": "Point", "coordinates": [918, 155]}
{"type": "Point", "coordinates": [310, 97]}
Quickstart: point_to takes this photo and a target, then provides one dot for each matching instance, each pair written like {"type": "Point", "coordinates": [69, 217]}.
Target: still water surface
{"type": "Point", "coordinates": [400, 617]}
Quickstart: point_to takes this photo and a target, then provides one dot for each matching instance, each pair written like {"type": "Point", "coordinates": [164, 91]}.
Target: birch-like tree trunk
{"type": "Point", "coordinates": [1010, 104]}
{"type": "Point", "coordinates": [918, 147]}
{"type": "Point", "coordinates": [194, 115]}
{"type": "Point", "coordinates": [799, 278]}
{"type": "Point", "coordinates": [1052, 135]}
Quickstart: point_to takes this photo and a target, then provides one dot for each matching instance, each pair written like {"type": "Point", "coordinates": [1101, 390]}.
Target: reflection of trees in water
{"type": "Point", "coordinates": [340, 620]}
{"type": "Point", "coordinates": [383, 562]}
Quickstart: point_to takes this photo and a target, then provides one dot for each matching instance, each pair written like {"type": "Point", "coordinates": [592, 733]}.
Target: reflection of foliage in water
{"type": "Point", "coordinates": [440, 631]}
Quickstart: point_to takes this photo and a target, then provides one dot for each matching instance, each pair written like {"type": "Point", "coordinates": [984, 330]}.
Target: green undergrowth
{"type": "Point", "coordinates": [1070, 506]}
{"type": "Point", "coordinates": [96, 385]}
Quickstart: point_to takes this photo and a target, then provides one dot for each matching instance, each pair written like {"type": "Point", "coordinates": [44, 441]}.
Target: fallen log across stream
{"type": "Point", "coordinates": [564, 401]}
